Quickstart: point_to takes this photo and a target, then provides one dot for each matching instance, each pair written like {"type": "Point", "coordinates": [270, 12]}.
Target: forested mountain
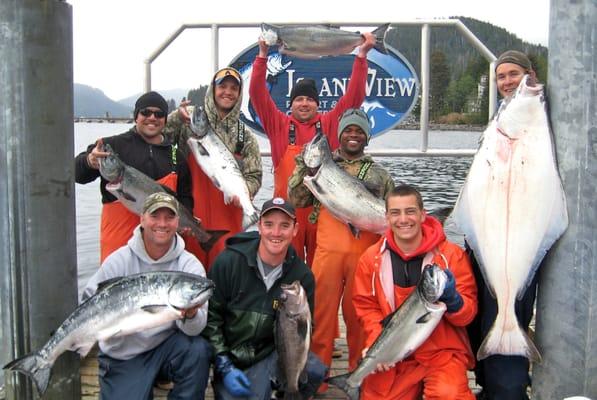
{"type": "Point", "coordinates": [92, 102]}
{"type": "Point", "coordinates": [458, 51]}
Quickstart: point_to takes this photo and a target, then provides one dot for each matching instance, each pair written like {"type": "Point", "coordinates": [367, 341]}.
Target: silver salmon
{"type": "Point", "coordinates": [314, 41]}
{"type": "Point", "coordinates": [403, 331]}
{"type": "Point", "coordinates": [293, 337]}
{"type": "Point", "coordinates": [120, 306]}
{"type": "Point", "coordinates": [345, 196]}
{"type": "Point", "coordinates": [219, 164]}
{"type": "Point", "coordinates": [131, 187]}
{"type": "Point", "coordinates": [511, 210]}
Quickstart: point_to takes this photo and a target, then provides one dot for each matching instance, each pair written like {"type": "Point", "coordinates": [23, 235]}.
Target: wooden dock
{"type": "Point", "coordinates": [90, 385]}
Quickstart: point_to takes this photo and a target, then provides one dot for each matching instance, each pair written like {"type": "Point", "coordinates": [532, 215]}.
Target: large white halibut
{"type": "Point", "coordinates": [512, 209]}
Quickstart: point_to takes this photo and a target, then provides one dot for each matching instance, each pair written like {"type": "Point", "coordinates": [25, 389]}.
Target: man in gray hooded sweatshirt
{"type": "Point", "coordinates": [129, 365]}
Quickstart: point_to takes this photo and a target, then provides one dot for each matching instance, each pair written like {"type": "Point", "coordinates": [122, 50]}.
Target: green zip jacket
{"type": "Point", "coordinates": [241, 314]}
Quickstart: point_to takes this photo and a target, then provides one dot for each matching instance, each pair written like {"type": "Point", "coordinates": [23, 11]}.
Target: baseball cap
{"type": "Point", "coordinates": [225, 73]}
{"type": "Point", "coordinates": [278, 203]}
{"type": "Point", "coordinates": [158, 200]}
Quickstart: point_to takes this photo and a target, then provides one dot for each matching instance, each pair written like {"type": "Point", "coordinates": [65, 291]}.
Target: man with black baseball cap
{"type": "Point", "coordinates": [248, 276]}
{"type": "Point", "coordinates": [288, 133]}
{"type": "Point", "coordinates": [145, 148]}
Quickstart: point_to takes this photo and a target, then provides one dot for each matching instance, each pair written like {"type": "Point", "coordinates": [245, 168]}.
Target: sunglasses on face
{"type": "Point", "coordinates": [146, 112]}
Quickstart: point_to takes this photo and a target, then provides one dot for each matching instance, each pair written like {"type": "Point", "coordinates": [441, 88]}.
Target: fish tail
{"type": "Point", "coordinates": [214, 237]}
{"type": "Point", "coordinates": [341, 382]}
{"type": "Point", "coordinates": [36, 367]}
{"type": "Point", "coordinates": [250, 219]}
{"type": "Point", "coordinates": [380, 34]}
{"type": "Point", "coordinates": [510, 342]}
{"type": "Point", "coordinates": [293, 396]}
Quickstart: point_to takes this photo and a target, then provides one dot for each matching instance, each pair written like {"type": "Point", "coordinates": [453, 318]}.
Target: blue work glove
{"type": "Point", "coordinates": [235, 380]}
{"type": "Point", "coordinates": [450, 297]}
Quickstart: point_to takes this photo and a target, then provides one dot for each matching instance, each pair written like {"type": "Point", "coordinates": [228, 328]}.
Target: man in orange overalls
{"type": "Point", "coordinates": [288, 133]}
{"type": "Point", "coordinates": [145, 148]}
{"type": "Point", "coordinates": [338, 250]}
{"type": "Point", "coordinates": [387, 273]}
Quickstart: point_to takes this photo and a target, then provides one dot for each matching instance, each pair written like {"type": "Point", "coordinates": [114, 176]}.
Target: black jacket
{"type": "Point", "coordinates": [241, 315]}
{"type": "Point", "coordinates": [154, 160]}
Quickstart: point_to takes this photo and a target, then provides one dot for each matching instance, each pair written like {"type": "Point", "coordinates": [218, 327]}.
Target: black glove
{"type": "Point", "coordinates": [235, 380]}
{"type": "Point", "coordinates": [450, 297]}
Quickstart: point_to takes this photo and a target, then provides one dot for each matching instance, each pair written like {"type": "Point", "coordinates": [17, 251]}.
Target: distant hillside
{"type": "Point", "coordinates": [174, 94]}
{"type": "Point", "coordinates": [92, 102]}
{"type": "Point", "coordinates": [459, 53]}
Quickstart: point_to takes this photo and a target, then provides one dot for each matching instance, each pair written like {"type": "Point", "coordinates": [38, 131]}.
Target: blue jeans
{"type": "Point", "coordinates": [265, 371]}
{"type": "Point", "coordinates": [181, 359]}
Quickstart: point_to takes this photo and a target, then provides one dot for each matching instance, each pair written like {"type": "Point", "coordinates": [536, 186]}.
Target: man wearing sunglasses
{"type": "Point", "coordinates": [145, 148]}
{"type": "Point", "coordinates": [338, 250]}
{"type": "Point", "coordinates": [288, 133]}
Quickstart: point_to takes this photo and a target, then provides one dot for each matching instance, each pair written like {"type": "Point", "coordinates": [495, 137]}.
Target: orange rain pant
{"type": "Point", "coordinates": [336, 257]}
{"type": "Point", "coordinates": [118, 223]}
{"type": "Point", "coordinates": [408, 379]}
{"type": "Point", "coordinates": [305, 240]}
{"type": "Point", "coordinates": [209, 207]}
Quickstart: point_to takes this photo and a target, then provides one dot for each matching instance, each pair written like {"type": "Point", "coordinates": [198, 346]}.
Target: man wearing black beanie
{"type": "Point", "coordinates": [288, 133]}
{"type": "Point", "coordinates": [144, 148]}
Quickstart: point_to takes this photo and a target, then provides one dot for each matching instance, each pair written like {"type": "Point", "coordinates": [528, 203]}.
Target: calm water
{"type": "Point", "coordinates": [439, 179]}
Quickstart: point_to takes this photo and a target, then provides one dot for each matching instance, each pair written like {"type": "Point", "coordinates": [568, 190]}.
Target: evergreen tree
{"type": "Point", "coordinates": [439, 80]}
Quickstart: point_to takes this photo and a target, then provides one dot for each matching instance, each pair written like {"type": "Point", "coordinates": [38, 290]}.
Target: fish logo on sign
{"type": "Point", "coordinates": [391, 92]}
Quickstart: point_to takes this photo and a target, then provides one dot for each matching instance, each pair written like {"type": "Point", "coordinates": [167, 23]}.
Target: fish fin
{"type": "Point", "coordinates": [127, 196]}
{"type": "Point", "coordinates": [214, 237]}
{"type": "Point", "coordinates": [249, 219]}
{"type": "Point", "coordinates": [387, 319]}
{"type": "Point", "coordinates": [380, 35]}
{"type": "Point", "coordinates": [424, 318]}
{"type": "Point", "coordinates": [302, 328]}
{"type": "Point", "coordinates": [168, 190]}
{"type": "Point", "coordinates": [354, 230]}
{"type": "Point", "coordinates": [154, 308]}
{"type": "Point", "coordinates": [202, 150]}
{"type": "Point", "coordinates": [103, 284]}
{"type": "Point", "coordinates": [512, 342]}
{"type": "Point", "coordinates": [341, 382]}
{"type": "Point", "coordinates": [84, 350]}
{"type": "Point", "coordinates": [34, 366]}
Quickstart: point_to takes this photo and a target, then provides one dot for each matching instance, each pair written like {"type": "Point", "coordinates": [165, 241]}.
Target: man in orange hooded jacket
{"type": "Point", "coordinates": [438, 367]}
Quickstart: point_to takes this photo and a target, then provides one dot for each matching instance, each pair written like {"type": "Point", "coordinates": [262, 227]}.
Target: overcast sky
{"type": "Point", "coordinates": [112, 38]}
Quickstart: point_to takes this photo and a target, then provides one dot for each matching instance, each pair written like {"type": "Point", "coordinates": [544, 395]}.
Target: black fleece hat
{"type": "Point", "coordinates": [151, 99]}
{"type": "Point", "coordinates": [304, 87]}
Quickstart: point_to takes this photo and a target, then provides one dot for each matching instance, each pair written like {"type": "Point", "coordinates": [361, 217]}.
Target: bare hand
{"type": "Point", "coordinates": [187, 231]}
{"type": "Point", "coordinates": [95, 155]}
{"type": "Point", "coordinates": [236, 202]}
{"type": "Point", "coordinates": [263, 48]}
{"type": "Point", "coordinates": [183, 113]}
{"type": "Point", "coordinates": [381, 367]}
{"type": "Point", "coordinates": [367, 45]}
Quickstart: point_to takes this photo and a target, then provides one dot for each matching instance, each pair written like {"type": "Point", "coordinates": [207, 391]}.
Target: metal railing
{"type": "Point", "coordinates": [425, 25]}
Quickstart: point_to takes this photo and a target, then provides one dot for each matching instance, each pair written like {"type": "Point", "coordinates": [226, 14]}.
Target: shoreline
{"type": "Point", "coordinates": [402, 126]}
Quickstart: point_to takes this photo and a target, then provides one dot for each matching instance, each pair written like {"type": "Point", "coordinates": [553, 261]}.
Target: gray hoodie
{"type": "Point", "coordinates": [133, 259]}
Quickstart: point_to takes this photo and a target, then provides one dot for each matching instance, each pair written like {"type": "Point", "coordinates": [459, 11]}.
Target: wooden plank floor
{"type": "Point", "coordinates": [90, 385]}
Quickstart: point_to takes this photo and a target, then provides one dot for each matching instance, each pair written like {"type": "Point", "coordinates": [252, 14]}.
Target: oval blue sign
{"type": "Point", "coordinates": [392, 84]}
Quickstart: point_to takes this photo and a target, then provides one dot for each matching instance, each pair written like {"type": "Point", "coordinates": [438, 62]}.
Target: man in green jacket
{"type": "Point", "coordinates": [240, 326]}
